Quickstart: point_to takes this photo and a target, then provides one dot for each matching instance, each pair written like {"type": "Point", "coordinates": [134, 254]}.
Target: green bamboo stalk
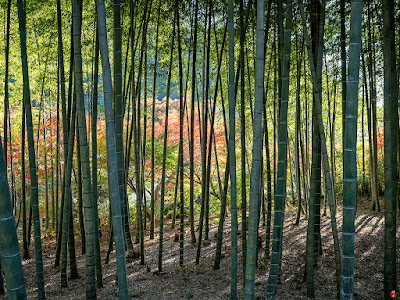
{"type": "Point", "coordinates": [143, 146]}
{"type": "Point", "coordinates": [297, 133]}
{"type": "Point", "coordinates": [177, 182]}
{"type": "Point", "coordinates": [61, 75]}
{"type": "Point", "coordinates": [391, 125]}
{"type": "Point", "coordinates": [180, 157]}
{"type": "Point", "coordinates": [327, 172]}
{"type": "Point", "coordinates": [191, 140]}
{"type": "Point", "coordinates": [224, 193]}
{"type": "Point", "coordinates": [136, 120]}
{"type": "Point", "coordinates": [10, 255]}
{"type": "Point", "coordinates": [343, 62]}
{"type": "Point", "coordinates": [349, 152]}
{"type": "Point", "coordinates": [32, 157]}
{"type": "Point", "coordinates": [267, 150]}
{"type": "Point", "coordinates": [112, 154]}
{"type": "Point", "coordinates": [313, 229]}
{"type": "Point", "coordinates": [280, 191]}
{"type": "Point", "coordinates": [251, 258]}
{"type": "Point", "coordinates": [80, 195]}
{"type": "Point", "coordinates": [243, 135]}
{"type": "Point", "coordinates": [369, 121]}
{"type": "Point", "coordinates": [25, 247]}
{"type": "Point", "coordinates": [163, 176]}
{"type": "Point", "coordinates": [211, 137]}
{"type": "Point", "coordinates": [99, 275]}
{"type": "Point", "coordinates": [118, 105]}
{"type": "Point", "coordinates": [71, 246]}
{"type": "Point", "coordinates": [53, 215]}
{"type": "Point", "coordinates": [203, 136]}
{"type": "Point", "coordinates": [6, 80]}
{"type": "Point", "coordinates": [372, 83]}
{"type": "Point", "coordinates": [68, 199]}
{"type": "Point", "coordinates": [84, 147]}
{"type": "Point", "coordinates": [153, 115]}
{"type": "Point", "coordinates": [46, 184]}
{"type": "Point", "coordinates": [232, 147]}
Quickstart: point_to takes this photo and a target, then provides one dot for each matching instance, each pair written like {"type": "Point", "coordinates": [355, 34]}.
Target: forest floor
{"type": "Point", "coordinates": [202, 282]}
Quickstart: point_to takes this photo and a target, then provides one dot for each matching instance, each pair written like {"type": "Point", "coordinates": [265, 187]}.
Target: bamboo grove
{"type": "Point", "coordinates": [141, 115]}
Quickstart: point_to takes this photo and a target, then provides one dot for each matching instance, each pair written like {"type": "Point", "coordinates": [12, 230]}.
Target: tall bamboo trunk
{"type": "Point", "coordinates": [153, 115]}
{"type": "Point", "coordinates": [10, 256]}
{"type": "Point", "coordinates": [180, 158]}
{"type": "Point", "coordinates": [349, 152]}
{"type": "Point", "coordinates": [6, 80]}
{"type": "Point", "coordinates": [232, 149]}
{"type": "Point", "coordinates": [243, 135]}
{"type": "Point", "coordinates": [370, 143]}
{"type": "Point", "coordinates": [343, 63]}
{"type": "Point", "coordinates": [192, 120]}
{"type": "Point", "coordinates": [313, 245]}
{"type": "Point", "coordinates": [391, 125]}
{"type": "Point", "coordinates": [118, 103]}
{"type": "Point", "coordinates": [372, 82]}
{"type": "Point", "coordinates": [297, 135]}
{"type": "Point", "coordinates": [203, 141]}
{"type": "Point", "coordinates": [163, 172]}
{"type": "Point", "coordinates": [328, 182]}
{"type": "Point", "coordinates": [267, 146]}
{"type": "Point", "coordinates": [225, 188]}
{"type": "Point", "coordinates": [251, 258]}
{"type": "Point", "coordinates": [99, 275]}
{"type": "Point", "coordinates": [67, 199]}
{"type": "Point", "coordinates": [64, 123]}
{"type": "Point", "coordinates": [280, 190]}
{"type": "Point", "coordinates": [80, 194]}
{"type": "Point", "coordinates": [112, 163]}
{"type": "Point", "coordinates": [25, 247]}
{"type": "Point", "coordinates": [53, 215]}
{"type": "Point", "coordinates": [84, 147]}
{"type": "Point", "coordinates": [32, 157]}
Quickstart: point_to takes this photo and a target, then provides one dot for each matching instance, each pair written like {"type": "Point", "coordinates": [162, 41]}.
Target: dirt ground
{"type": "Point", "coordinates": [202, 282]}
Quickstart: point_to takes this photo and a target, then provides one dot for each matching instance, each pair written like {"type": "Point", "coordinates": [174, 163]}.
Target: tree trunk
{"type": "Point", "coordinates": [297, 135]}
{"type": "Point", "coordinates": [32, 157]}
{"type": "Point", "coordinates": [328, 182]}
{"type": "Point", "coordinates": [370, 143]}
{"type": "Point", "coordinates": [180, 158]}
{"type": "Point", "coordinates": [192, 109]}
{"type": "Point", "coordinates": [371, 71]}
{"type": "Point", "coordinates": [153, 115]}
{"type": "Point", "coordinates": [6, 80]}
{"type": "Point", "coordinates": [80, 195]}
{"type": "Point", "coordinates": [232, 149]}
{"type": "Point", "coordinates": [9, 249]}
{"type": "Point", "coordinates": [349, 153]}
{"type": "Point", "coordinates": [112, 154]}
{"type": "Point", "coordinates": [391, 123]}
{"type": "Point", "coordinates": [251, 258]}
{"type": "Point", "coordinates": [99, 275]}
{"type": "Point", "coordinates": [118, 104]}
{"type": "Point", "coordinates": [225, 189]}
{"type": "Point", "coordinates": [343, 61]}
{"type": "Point", "coordinates": [67, 199]}
{"type": "Point", "coordinates": [243, 134]}
{"type": "Point", "coordinates": [280, 191]}
{"type": "Point", "coordinates": [84, 147]}
{"type": "Point", "coordinates": [25, 247]}
{"type": "Point", "coordinates": [163, 175]}
{"type": "Point", "coordinates": [64, 122]}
